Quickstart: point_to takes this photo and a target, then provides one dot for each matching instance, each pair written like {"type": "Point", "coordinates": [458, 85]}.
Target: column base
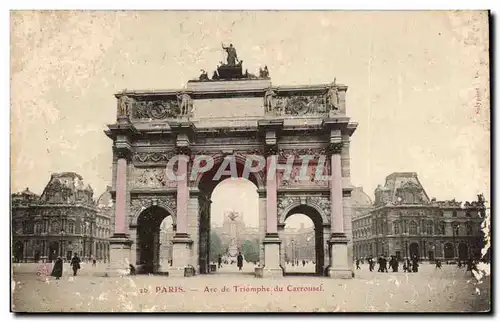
{"type": "Point", "coordinates": [272, 267]}
{"type": "Point", "coordinates": [119, 256]}
{"type": "Point", "coordinates": [181, 251]}
{"type": "Point", "coordinates": [339, 258]}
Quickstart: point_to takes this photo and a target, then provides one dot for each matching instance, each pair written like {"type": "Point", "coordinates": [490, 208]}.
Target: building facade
{"type": "Point", "coordinates": [62, 221]}
{"type": "Point", "coordinates": [404, 222]}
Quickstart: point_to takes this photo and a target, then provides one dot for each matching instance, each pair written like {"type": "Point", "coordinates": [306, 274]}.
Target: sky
{"type": "Point", "coordinates": [418, 85]}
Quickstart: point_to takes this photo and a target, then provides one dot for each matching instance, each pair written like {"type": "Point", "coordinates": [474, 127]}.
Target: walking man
{"type": "Point", "coordinates": [75, 264]}
{"type": "Point", "coordinates": [240, 261]}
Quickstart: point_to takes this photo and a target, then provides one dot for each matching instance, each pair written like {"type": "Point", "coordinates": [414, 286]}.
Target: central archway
{"type": "Point", "coordinates": [207, 182]}
{"type": "Point", "coordinates": [149, 223]}
{"type": "Point", "coordinates": [319, 240]}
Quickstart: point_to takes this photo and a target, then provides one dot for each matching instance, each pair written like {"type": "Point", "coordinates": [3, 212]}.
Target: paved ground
{"type": "Point", "coordinates": [429, 290]}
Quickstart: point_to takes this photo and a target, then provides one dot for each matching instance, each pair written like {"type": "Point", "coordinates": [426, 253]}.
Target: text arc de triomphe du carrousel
{"type": "Point", "coordinates": [235, 116]}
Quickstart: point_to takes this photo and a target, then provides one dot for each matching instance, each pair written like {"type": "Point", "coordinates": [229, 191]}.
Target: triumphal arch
{"type": "Point", "coordinates": [172, 147]}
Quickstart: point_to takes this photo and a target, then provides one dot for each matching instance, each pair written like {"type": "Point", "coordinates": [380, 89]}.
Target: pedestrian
{"type": "Point", "coordinates": [370, 263]}
{"type": "Point", "coordinates": [94, 261]}
{"type": "Point", "coordinates": [219, 261]}
{"type": "Point", "coordinates": [394, 264]}
{"type": "Point", "coordinates": [384, 264]}
{"type": "Point", "coordinates": [303, 263]}
{"type": "Point", "coordinates": [414, 264]}
{"type": "Point", "coordinates": [75, 264]}
{"type": "Point", "coordinates": [438, 264]}
{"type": "Point", "coordinates": [357, 263]}
{"type": "Point", "coordinates": [240, 261]}
{"type": "Point", "coordinates": [58, 268]}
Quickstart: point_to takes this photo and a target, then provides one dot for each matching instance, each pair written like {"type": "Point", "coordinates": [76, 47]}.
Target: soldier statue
{"type": "Point", "coordinates": [232, 57]}
{"type": "Point", "coordinates": [185, 103]}
{"type": "Point", "coordinates": [269, 100]}
{"type": "Point", "coordinates": [333, 100]}
{"type": "Point", "coordinates": [124, 106]}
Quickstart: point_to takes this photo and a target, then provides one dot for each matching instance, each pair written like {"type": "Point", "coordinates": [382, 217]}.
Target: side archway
{"type": "Point", "coordinates": [148, 241]}
{"type": "Point", "coordinates": [316, 214]}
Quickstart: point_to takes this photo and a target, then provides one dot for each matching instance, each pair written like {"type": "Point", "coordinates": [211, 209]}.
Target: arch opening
{"type": "Point", "coordinates": [463, 251]}
{"type": "Point", "coordinates": [414, 251]}
{"type": "Point", "coordinates": [304, 246]}
{"type": "Point", "coordinates": [151, 258]}
{"type": "Point", "coordinates": [229, 225]}
{"type": "Point", "coordinates": [449, 252]}
{"type": "Point", "coordinates": [54, 251]}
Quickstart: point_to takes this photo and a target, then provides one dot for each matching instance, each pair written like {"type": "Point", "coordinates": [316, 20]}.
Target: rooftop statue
{"type": "Point", "coordinates": [333, 100]}
{"type": "Point", "coordinates": [232, 57]}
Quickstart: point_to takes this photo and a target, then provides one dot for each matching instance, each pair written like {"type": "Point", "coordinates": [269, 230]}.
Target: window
{"type": "Point", "coordinates": [442, 228]}
{"type": "Point", "coordinates": [469, 229]}
{"type": "Point", "coordinates": [454, 213]}
{"type": "Point", "coordinates": [413, 228]}
{"type": "Point", "coordinates": [396, 228]}
{"type": "Point", "coordinates": [456, 229]}
{"type": "Point", "coordinates": [428, 228]}
{"type": "Point", "coordinates": [467, 214]}
{"type": "Point", "coordinates": [71, 228]}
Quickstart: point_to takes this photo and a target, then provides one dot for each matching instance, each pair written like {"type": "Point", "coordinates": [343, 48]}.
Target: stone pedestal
{"type": "Point", "coordinates": [272, 266]}
{"type": "Point", "coordinates": [119, 256]}
{"type": "Point", "coordinates": [339, 266]}
{"type": "Point", "coordinates": [181, 251]}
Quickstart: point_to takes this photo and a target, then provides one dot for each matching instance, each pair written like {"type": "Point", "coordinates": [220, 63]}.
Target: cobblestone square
{"type": "Point", "coordinates": [430, 290]}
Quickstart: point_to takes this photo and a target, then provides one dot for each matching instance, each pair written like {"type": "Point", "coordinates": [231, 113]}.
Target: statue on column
{"type": "Point", "coordinates": [332, 97]}
{"type": "Point", "coordinates": [185, 103]}
{"type": "Point", "coordinates": [124, 104]}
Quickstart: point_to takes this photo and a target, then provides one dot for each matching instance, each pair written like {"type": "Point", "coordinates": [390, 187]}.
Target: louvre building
{"type": "Point", "coordinates": [64, 220]}
{"type": "Point", "coordinates": [403, 221]}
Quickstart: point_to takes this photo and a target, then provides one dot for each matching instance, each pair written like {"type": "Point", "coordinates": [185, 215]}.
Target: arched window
{"type": "Point", "coordinates": [396, 228]}
{"type": "Point", "coordinates": [413, 228]}
{"type": "Point", "coordinates": [428, 228]}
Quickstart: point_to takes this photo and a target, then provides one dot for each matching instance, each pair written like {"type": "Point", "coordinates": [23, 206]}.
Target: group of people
{"type": "Point", "coordinates": [57, 270]}
{"type": "Point", "coordinates": [239, 261]}
{"type": "Point", "coordinates": [409, 265]}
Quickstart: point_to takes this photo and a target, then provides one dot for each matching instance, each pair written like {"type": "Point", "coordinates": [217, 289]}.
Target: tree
{"type": "Point", "coordinates": [216, 248]}
{"type": "Point", "coordinates": [250, 250]}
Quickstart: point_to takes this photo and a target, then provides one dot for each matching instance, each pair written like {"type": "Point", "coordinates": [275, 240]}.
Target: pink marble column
{"type": "Point", "coordinates": [337, 207]}
{"type": "Point", "coordinates": [182, 194]}
{"type": "Point", "coordinates": [121, 196]}
{"type": "Point", "coordinates": [272, 197]}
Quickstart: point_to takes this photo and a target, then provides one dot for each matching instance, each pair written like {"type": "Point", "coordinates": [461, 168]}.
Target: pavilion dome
{"type": "Point", "coordinates": [105, 200]}
{"type": "Point", "coordinates": [67, 187]}
{"type": "Point", "coordinates": [359, 198]}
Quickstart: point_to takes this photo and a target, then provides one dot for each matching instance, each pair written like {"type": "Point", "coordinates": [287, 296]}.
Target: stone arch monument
{"type": "Point", "coordinates": [233, 114]}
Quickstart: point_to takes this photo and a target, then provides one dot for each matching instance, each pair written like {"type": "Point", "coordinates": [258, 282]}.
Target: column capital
{"type": "Point", "coordinates": [270, 150]}
{"type": "Point", "coordinates": [183, 150]}
{"type": "Point", "coordinates": [122, 153]}
{"type": "Point", "coordinates": [335, 147]}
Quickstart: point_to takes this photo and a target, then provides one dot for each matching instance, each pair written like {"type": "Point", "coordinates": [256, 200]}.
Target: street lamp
{"type": "Point", "coordinates": [455, 234]}
{"type": "Point", "coordinates": [61, 243]}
